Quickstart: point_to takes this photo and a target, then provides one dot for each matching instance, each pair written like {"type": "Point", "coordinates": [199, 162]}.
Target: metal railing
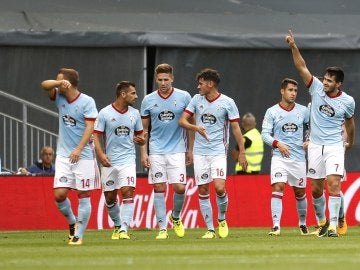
{"type": "Point", "coordinates": [21, 141]}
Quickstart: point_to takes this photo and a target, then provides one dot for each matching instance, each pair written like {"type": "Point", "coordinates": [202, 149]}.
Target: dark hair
{"type": "Point", "coordinates": [123, 86]}
{"type": "Point", "coordinates": [337, 72]}
{"type": "Point", "coordinates": [164, 68]}
{"type": "Point", "coordinates": [71, 75]}
{"type": "Point", "coordinates": [286, 81]}
{"type": "Point", "coordinates": [209, 74]}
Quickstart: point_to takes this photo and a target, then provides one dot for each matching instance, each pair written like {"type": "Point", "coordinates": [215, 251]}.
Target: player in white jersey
{"type": "Point", "coordinates": [75, 166]}
{"type": "Point", "coordinates": [168, 152]}
{"type": "Point", "coordinates": [330, 109]}
{"type": "Point", "coordinates": [117, 128]}
{"type": "Point", "coordinates": [283, 129]}
{"type": "Point", "coordinates": [214, 112]}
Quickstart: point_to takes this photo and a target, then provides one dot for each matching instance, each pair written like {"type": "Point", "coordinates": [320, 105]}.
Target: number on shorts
{"type": "Point", "coordinates": [182, 177]}
{"type": "Point", "coordinates": [220, 172]}
{"type": "Point", "coordinates": [85, 183]}
{"type": "Point", "coordinates": [130, 180]}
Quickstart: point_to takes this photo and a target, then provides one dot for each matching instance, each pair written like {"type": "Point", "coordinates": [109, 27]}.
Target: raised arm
{"type": "Point", "coordinates": [299, 61]}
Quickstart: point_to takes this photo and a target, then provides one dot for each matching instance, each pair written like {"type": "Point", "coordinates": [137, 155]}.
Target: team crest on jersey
{"type": "Point", "coordinates": [122, 131]}
{"type": "Point", "coordinates": [63, 179]}
{"type": "Point", "coordinates": [110, 183]}
{"type": "Point", "coordinates": [208, 118]}
{"type": "Point", "coordinates": [166, 116]}
{"type": "Point", "coordinates": [312, 171]}
{"type": "Point", "coordinates": [289, 127]}
{"type": "Point", "coordinates": [327, 110]}
{"type": "Point", "coordinates": [68, 120]}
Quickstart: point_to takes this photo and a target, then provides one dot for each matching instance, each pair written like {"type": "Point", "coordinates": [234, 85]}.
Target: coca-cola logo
{"type": "Point", "coordinates": [352, 199]}
{"type": "Point", "coordinates": [144, 213]}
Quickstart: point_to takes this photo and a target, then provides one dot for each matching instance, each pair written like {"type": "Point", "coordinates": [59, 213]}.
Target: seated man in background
{"type": "Point", "coordinates": [44, 166]}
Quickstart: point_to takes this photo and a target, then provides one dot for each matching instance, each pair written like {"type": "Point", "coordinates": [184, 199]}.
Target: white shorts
{"type": "Point", "coordinates": [169, 168]}
{"type": "Point", "coordinates": [288, 171]}
{"type": "Point", "coordinates": [325, 160]}
{"type": "Point", "coordinates": [116, 177]}
{"type": "Point", "coordinates": [79, 176]}
{"type": "Point", "coordinates": [207, 168]}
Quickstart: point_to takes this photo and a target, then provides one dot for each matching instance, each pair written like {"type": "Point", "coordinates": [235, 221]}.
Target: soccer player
{"type": "Point", "coordinates": [75, 166]}
{"type": "Point", "coordinates": [283, 129]}
{"type": "Point", "coordinates": [119, 125]}
{"type": "Point", "coordinates": [330, 108]}
{"type": "Point", "coordinates": [214, 113]}
{"type": "Point", "coordinates": [168, 151]}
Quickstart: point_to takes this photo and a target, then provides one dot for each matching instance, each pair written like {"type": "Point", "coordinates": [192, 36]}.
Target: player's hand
{"type": "Point", "coordinates": [140, 139]}
{"type": "Point", "coordinates": [65, 84]}
{"type": "Point", "coordinates": [145, 160]}
{"type": "Point", "coordinates": [290, 38]}
{"type": "Point", "coordinates": [202, 132]}
{"type": "Point", "coordinates": [104, 160]}
{"type": "Point", "coordinates": [75, 155]}
{"type": "Point", "coordinates": [189, 158]}
{"type": "Point", "coordinates": [284, 150]}
{"type": "Point", "coordinates": [242, 161]}
{"type": "Point", "coordinates": [306, 145]}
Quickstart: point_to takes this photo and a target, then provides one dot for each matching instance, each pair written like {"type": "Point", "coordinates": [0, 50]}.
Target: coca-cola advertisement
{"type": "Point", "coordinates": [31, 199]}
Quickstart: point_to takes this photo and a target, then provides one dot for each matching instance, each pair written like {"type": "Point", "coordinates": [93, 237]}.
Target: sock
{"type": "Point", "coordinates": [160, 209]}
{"type": "Point", "coordinates": [114, 213]}
{"type": "Point", "coordinates": [319, 207]}
{"type": "Point", "coordinates": [65, 209]}
{"type": "Point", "coordinates": [222, 203]}
{"type": "Point", "coordinates": [276, 208]}
{"type": "Point", "coordinates": [84, 212]}
{"type": "Point", "coordinates": [301, 205]}
{"type": "Point", "coordinates": [334, 205]}
{"type": "Point", "coordinates": [178, 204]}
{"type": "Point", "coordinates": [342, 210]}
{"type": "Point", "coordinates": [206, 211]}
{"type": "Point", "coordinates": [126, 213]}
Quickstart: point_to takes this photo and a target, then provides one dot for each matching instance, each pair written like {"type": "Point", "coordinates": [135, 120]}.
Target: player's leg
{"type": "Point", "coordinates": [297, 179]}
{"type": "Point", "coordinates": [127, 187]}
{"type": "Point", "coordinates": [158, 178]}
{"type": "Point", "coordinates": [317, 174]}
{"type": "Point", "coordinates": [85, 177]}
{"type": "Point", "coordinates": [176, 171]}
{"type": "Point", "coordinates": [61, 189]}
{"type": "Point", "coordinates": [110, 184]}
{"type": "Point", "coordinates": [219, 174]}
{"type": "Point", "coordinates": [202, 179]}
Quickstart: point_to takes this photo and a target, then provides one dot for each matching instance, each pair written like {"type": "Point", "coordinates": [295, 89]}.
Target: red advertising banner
{"type": "Point", "coordinates": [27, 203]}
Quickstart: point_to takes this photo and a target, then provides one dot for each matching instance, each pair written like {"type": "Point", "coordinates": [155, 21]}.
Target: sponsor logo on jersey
{"type": "Point", "coordinates": [166, 116]}
{"type": "Point", "coordinates": [68, 120]}
{"type": "Point", "coordinates": [122, 131]}
{"type": "Point", "coordinates": [289, 127]}
{"type": "Point", "coordinates": [327, 110]}
{"type": "Point", "coordinates": [208, 118]}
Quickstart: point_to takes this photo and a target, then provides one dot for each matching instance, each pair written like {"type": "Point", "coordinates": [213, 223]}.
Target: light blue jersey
{"type": "Point", "coordinates": [118, 129]}
{"type": "Point", "coordinates": [286, 127]}
{"type": "Point", "coordinates": [328, 114]}
{"type": "Point", "coordinates": [166, 136]}
{"type": "Point", "coordinates": [214, 116]}
{"type": "Point", "coordinates": [72, 116]}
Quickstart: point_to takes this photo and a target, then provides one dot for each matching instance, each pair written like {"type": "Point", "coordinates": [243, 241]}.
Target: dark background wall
{"type": "Point", "coordinates": [250, 76]}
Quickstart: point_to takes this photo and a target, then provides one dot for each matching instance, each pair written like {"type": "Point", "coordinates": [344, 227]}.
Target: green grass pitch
{"type": "Point", "coordinates": [245, 248]}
